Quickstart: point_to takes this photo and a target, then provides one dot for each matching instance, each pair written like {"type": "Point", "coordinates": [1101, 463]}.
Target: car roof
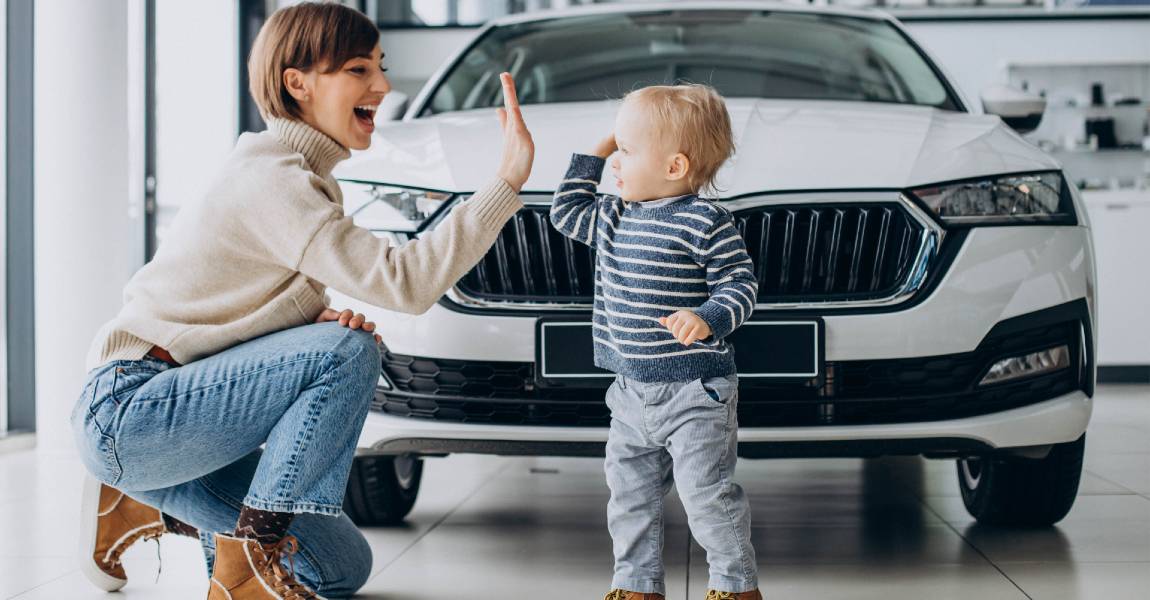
{"type": "Point", "coordinates": [712, 5]}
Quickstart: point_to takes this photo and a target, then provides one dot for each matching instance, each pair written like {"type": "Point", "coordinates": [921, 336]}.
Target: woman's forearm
{"type": "Point", "coordinates": [409, 277]}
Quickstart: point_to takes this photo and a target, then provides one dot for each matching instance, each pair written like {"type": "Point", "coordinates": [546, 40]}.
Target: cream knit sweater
{"type": "Point", "coordinates": [257, 252]}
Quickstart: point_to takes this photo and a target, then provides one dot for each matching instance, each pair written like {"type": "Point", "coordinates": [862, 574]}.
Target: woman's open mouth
{"type": "Point", "coordinates": [365, 116]}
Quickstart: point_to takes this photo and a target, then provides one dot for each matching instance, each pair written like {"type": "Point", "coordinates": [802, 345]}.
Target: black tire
{"type": "Point", "coordinates": [1011, 491]}
{"type": "Point", "coordinates": [382, 489]}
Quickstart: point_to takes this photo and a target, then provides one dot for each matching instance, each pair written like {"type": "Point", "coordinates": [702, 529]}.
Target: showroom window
{"type": "Point", "coordinates": [3, 237]}
{"type": "Point", "coordinates": [17, 347]}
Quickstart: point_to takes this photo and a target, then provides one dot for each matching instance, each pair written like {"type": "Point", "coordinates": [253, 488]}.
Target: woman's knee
{"type": "Point", "coordinates": [353, 348]}
{"type": "Point", "coordinates": [338, 558]}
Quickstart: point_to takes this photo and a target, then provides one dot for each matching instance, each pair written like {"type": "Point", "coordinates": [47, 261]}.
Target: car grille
{"type": "Point", "coordinates": [811, 253]}
{"type": "Point", "coordinates": [855, 392]}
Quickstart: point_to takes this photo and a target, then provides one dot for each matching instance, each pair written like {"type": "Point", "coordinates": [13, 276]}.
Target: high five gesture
{"type": "Point", "coordinates": [518, 147]}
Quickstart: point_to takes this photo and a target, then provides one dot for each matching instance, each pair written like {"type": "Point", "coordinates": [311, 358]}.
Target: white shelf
{"type": "Point", "coordinates": [1071, 64]}
{"type": "Point", "coordinates": [1129, 196]}
{"type": "Point", "coordinates": [1140, 107]}
{"type": "Point", "coordinates": [1088, 151]}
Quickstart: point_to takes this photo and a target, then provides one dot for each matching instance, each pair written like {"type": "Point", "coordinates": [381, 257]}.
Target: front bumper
{"type": "Point", "coordinates": [861, 392]}
{"type": "Point", "coordinates": [1062, 419]}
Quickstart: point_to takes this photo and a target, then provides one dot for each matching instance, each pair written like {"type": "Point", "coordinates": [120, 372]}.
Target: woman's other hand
{"type": "Point", "coordinates": [518, 147]}
{"type": "Point", "coordinates": [349, 319]}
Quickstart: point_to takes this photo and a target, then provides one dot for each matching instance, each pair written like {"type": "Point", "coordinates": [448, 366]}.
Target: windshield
{"type": "Point", "coordinates": [742, 53]}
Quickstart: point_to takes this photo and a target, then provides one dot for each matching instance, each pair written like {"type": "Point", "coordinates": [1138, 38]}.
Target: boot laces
{"type": "Point", "coordinates": [284, 580]}
{"type": "Point", "coordinates": [115, 555]}
{"type": "Point", "coordinates": [716, 595]}
{"type": "Point", "coordinates": [618, 594]}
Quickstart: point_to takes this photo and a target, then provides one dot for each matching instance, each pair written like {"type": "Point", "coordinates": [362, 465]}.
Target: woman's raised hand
{"type": "Point", "coordinates": [518, 147]}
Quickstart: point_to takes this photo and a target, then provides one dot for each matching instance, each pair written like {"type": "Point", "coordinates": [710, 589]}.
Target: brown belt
{"type": "Point", "coordinates": [160, 353]}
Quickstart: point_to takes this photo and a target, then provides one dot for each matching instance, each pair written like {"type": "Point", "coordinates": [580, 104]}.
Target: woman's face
{"type": "Point", "coordinates": [342, 103]}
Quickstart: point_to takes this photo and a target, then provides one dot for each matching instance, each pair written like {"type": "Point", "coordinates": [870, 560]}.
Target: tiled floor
{"type": "Point", "coordinates": [488, 527]}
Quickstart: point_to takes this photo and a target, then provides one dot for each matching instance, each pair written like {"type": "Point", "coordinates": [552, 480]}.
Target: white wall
{"type": "Point", "coordinates": [84, 241]}
{"type": "Point", "coordinates": [975, 53]}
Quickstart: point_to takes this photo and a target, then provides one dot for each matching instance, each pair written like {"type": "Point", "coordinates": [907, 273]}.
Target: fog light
{"type": "Point", "coordinates": [1037, 363]}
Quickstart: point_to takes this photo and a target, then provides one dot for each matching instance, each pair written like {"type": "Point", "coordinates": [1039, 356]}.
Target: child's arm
{"type": "Point", "coordinates": [731, 281]}
{"type": "Point", "coordinates": [730, 277]}
{"type": "Point", "coordinates": [575, 208]}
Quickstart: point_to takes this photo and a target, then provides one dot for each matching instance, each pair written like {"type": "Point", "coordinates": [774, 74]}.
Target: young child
{"type": "Point", "coordinates": [673, 280]}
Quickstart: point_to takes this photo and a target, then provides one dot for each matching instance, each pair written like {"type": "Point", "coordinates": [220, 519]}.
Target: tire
{"type": "Point", "coordinates": [382, 489]}
{"type": "Point", "coordinates": [1012, 491]}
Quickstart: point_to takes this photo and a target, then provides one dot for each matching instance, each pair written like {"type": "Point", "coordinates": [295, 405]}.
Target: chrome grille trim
{"type": "Point", "coordinates": [924, 244]}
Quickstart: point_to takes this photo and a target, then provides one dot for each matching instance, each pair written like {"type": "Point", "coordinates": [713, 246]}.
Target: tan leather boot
{"type": "Point", "coordinates": [245, 569]}
{"type": "Point", "coordinates": [110, 522]}
{"type": "Point", "coordinates": [751, 595]}
{"type": "Point", "coordinates": [617, 594]}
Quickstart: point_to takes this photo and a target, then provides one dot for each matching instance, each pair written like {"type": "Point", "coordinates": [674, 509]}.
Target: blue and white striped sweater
{"type": "Point", "coordinates": [655, 259]}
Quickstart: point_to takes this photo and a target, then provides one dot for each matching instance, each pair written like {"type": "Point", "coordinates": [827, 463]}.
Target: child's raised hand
{"type": "Point", "coordinates": [686, 326]}
{"type": "Point", "coordinates": [606, 147]}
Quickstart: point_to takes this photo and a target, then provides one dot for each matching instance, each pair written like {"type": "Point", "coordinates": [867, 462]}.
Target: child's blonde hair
{"type": "Point", "coordinates": [693, 116]}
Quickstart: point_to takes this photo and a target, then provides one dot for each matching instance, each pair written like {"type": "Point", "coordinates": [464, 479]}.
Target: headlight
{"type": "Point", "coordinates": [1008, 199]}
{"type": "Point", "coordinates": [389, 208]}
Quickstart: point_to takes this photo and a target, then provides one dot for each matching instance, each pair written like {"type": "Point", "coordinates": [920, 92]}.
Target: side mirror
{"type": "Point", "coordinates": [392, 108]}
{"type": "Point", "coordinates": [1021, 110]}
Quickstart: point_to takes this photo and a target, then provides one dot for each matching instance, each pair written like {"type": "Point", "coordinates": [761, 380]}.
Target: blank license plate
{"type": "Point", "coordinates": [782, 349]}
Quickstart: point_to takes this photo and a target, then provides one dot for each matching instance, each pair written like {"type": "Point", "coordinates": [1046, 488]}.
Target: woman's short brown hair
{"type": "Point", "coordinates": [306, 36]}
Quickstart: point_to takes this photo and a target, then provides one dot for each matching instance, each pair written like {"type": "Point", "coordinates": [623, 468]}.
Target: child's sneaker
{"type": "Point", "coordinates": [110, 522]}
{"type": "Point", "coordinates": [717, 595]}
{"type": "Point", "coordinates": [618, 594]}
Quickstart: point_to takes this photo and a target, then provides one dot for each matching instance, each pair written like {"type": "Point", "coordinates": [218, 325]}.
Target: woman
{"type": "Point", "coordinates": [225, 343]}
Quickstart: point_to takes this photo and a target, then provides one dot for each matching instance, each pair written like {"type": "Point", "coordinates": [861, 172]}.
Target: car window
{"type": "Point", "coordinates": [749, 54]}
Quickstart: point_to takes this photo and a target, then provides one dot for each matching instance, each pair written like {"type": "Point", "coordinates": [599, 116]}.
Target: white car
{"type": "Point", "coordinates": [926, 276]}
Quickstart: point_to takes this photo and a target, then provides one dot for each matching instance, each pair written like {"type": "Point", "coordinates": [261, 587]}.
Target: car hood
{"type": "Point", "coordinates": [781, 145]}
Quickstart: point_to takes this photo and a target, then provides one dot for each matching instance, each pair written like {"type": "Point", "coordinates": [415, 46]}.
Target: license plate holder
{"type": "Point", "coordinates": [780, 350]}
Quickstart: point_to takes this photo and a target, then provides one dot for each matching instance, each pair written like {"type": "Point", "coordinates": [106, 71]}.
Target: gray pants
{"type": "Point", "coordinates": [682, 433]}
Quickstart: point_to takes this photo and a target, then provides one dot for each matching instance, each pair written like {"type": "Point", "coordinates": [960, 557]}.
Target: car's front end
{"type": "Point", "coordinates": [926, 279]}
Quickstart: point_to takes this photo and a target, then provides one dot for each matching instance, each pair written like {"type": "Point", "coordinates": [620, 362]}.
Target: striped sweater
{"type": "Point", "coordinates": [654, 259]}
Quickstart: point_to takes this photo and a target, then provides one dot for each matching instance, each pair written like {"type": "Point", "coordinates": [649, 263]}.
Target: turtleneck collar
{"type": "Point", "coordinates": [320, 151]}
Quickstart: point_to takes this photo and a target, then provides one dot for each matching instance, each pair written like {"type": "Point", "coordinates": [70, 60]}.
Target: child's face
{"type": "Point", "coordinates": [644, 166]}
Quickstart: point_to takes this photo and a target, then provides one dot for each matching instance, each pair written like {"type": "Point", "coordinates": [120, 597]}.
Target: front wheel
{"type": "Point", "coordinates": [1014, 491]}
{"type": "Point", "coordinates": [381, 490]}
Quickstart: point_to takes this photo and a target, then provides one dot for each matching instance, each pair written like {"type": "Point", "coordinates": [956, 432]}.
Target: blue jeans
{"type": "Point", "coordinates": [683, 433]}
{"type": "Point", "coordinates": [187, 440]}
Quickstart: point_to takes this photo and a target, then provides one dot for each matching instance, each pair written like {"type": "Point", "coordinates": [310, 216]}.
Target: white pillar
{"type": "Point", "coordinates": [85, 242]}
